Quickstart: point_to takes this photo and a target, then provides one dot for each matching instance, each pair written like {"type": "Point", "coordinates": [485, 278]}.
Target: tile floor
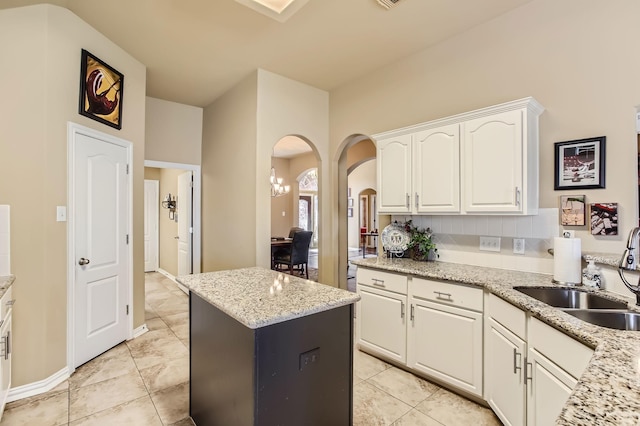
{"type": "Point", "coordinates": [145, 382]}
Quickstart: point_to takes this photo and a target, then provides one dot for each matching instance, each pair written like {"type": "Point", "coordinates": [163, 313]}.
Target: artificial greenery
{"type": "Point", "coordinates": [421, 242]}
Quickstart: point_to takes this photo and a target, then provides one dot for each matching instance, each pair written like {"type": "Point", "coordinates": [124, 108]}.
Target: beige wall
{"type": "Point", "coordinates": [575, 57]}
{"type": "Point", "coordinates": [229, 180]}
{"type": "Point", "coordinates": [40, 70]}
{"type": "Point", "coordinates": [174, 132]}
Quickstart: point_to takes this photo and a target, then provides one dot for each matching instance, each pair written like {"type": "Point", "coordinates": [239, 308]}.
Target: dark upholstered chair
{"type": "Point", "coordinates": [294, 230]}
{"type": "Point", "coordinates": [298, 257]}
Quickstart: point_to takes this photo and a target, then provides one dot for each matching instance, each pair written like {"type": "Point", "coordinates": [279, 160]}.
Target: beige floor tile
{"type": "Point", "coordinates": [170, 307]}
{"type": "Point", "coordinates": [366, 366]}
{"type": "Point", "coordinates": [110, 393]}
{"type": "Point", "coordinates": [403, 385]}
{"type": "Point", "coordinates": [156, 347]}
{"type": "Point", "coordinates": [451, 409]}
{"type": "Point", "coordinates": [149, 313]}
{"type": "Point", "coordinates": [167, 374]}
{"type": "Point", "coordinates": [416, 418]}
{"type": "Point", "coordinates": [176, 320]}
{"type": "Point", "coordinates": [155, 324]}
{"type": "Point", "coordinates": [183, 422]}
{"type": "Point", "coordinates": [371, 406]}
{"type": "Point", "coordinates": [113, 363]}
{"type": "Point", "coordinates": [140, 411]}
{"type": "Point", "coordinates": [172, 403]}
{"type": "Point", "coordinates": [52, 409]}
{"type": "Point", "coordinates": [182, 332]}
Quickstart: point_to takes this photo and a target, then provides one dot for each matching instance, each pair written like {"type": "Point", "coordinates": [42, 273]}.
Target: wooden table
{"type": "Point", "coordinates": [279, 244]}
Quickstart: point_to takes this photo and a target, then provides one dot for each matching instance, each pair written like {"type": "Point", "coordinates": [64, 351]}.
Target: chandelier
{"type": "Point", "coordinates": [277, 188]}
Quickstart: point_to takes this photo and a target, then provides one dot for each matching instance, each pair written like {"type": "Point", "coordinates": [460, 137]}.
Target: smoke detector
{"type": "Point", "coordinates": [388, 4]}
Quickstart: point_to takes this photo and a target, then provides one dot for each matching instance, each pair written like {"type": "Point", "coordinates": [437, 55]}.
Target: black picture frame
{"type": "Point", "coordinates": [580, 164]}
{"type": "Point", "coordinates": [101, 91]}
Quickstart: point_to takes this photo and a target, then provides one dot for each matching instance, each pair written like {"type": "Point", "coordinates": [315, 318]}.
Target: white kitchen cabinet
{"type": "Point", "coordinates": [6, 304]}
{"type": "Point", "coordinates": [436, 170]}
{"type": "Point", "coordinates": [381, 320]}
{"type": "Point", "coordinates": [445, 342]}
{"type": "Point", "coordinates": [530, 367]}
{"type": "Point", "coordinates": [394, 174]}
{"type": "Point", "coordinates": [483, 161]}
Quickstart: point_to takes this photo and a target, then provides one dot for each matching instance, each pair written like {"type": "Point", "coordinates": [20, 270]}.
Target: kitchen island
{"type": "Point", "coordinates": [268, 348]}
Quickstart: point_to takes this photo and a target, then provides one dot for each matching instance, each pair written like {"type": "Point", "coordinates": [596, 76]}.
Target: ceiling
{"type": "Point", "coordinates": [195, 50]}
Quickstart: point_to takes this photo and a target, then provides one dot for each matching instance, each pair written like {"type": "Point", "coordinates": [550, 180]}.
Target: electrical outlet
{"type": "Point", "coordinates": [518, 245]}
{"type": "Point", "coordinates": [490, 244]}
{"type": "Point", "coordinates": [307, 359]}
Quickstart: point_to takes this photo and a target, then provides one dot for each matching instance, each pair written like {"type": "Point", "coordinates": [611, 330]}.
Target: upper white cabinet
{"type": "Point", "coordinates": [480, 162]}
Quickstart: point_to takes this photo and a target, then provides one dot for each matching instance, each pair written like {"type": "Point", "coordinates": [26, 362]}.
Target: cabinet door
{"type": "Point", "coordinates": [446, 343]}
{"type": "Point", "coordinates": [5, 362]}
{"type": "Point", "coordinates": [394, 174]}
{"type": "Point", "coordinates": [436, 170]}
{"type": "Point", "coordinates": [381, 323]}
{"type": "Point", "coordinates": [493, 158]}
{"type": "Point", "coordinates": [548, 388]}
{"type": "Point", "coordinates": [504, 379]}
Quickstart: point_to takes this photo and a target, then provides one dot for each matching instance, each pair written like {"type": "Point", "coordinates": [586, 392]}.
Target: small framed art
{"type": "Point", "coordinates": [604, 218]}
{"type": "Point", "coordinates": [580, 164]}
{"type": "Point", "coordinates": [572, 210]}
{"type": "Point", "coordinates": [101, 88]}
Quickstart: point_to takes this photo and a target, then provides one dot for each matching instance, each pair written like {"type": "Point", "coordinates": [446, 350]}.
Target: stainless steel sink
{"type": "Point", "coordinates": [570, 298]}
{"type": "Point", "coordinates": [619, 320]}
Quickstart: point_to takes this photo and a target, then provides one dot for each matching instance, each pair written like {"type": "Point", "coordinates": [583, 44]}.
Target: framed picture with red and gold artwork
{"type": "Point", "coordinates": [101, 89]}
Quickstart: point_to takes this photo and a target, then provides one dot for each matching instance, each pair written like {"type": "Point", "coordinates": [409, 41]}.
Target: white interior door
{"type": "Point", "coordinates": [185, 219]}
{"type": "Point", "coordinates": [100, 213]}
{"type": "Point", "coordinates": [151, 215]}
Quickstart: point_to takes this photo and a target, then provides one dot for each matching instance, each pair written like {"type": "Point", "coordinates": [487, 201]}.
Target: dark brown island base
{"type": "Point", "coordinates": [269, 349]}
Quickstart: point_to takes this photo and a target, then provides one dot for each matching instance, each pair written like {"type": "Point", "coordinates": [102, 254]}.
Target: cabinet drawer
{"type": "Point", "coordinates": [447, 293]}
{"type": "Point", "coordinates": [382, 280]}
{"type": "Point", "coordinates": [567, 353]}
{"type": "Point", "coordinates": [510, 317]}
{"type": "Point", "coordinates": [6, 302]}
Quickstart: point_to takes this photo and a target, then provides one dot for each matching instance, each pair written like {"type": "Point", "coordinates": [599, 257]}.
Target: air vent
{"type": "Point", "coordinates": [388, 4]}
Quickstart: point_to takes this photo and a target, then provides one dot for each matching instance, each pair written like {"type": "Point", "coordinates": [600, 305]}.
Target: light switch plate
{"type": "Point", "coordinates": [490, 244]}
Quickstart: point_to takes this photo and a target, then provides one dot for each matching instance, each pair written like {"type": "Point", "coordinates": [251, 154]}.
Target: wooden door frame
{"type": "Point", "coordinates": [73, 130]}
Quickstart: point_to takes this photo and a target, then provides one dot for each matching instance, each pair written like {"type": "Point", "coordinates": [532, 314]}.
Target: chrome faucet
{"type": "Point", "coordinates": [629, 261]}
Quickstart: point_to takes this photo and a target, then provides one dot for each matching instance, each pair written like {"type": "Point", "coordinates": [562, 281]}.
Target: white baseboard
{"type": "Point", "coordinates": [36, 388]}
{"type": "Point", "coordinates": [140, 331]}
{"type": "Point", "coordinates": [172, 278]}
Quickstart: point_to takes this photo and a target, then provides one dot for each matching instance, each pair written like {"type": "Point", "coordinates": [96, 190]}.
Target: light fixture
{"type": "Point", "coordinates": [277, 188]}
{"type": "Point", "coordinates": [170, 203]}
{"type": "Point", "coordinates": [280, 10]}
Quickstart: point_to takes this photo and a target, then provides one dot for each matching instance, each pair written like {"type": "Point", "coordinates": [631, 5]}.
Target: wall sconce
{"type": "Point", "coordinates": [170, 203]}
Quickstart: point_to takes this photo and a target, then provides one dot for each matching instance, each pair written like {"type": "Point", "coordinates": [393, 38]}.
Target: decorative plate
{"type": "Point", "coordinates": [395, 238]}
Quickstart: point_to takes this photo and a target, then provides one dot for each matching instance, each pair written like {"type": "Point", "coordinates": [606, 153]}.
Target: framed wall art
{"type": "Point", "coordinates": [604, 218]}
{"type": "Point", "coordinates": [572, 210]}
{"type": "Point", "coordinates": [101, 89]}
{"type": "Point", "coordinates": [580, 164]}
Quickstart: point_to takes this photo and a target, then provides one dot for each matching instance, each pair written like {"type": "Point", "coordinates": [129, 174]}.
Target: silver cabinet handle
{"type": "Point", "coordinates": [412, 312]}
{"type": "Point", "coordinates": [5, 347]}
{"type": "Point", "coordinates": [528, 373]}
{"type": "Point", "coordinates": [517, 359]}
{"type": "Point", "coordinates": [408, 200]}
{"type": "Point", "coordinates": [378, 282]}
{"type": "Point", "coordinates": [11, 302]}
{"type": "Point", "coordinates": [177, 237]}
{"type": "Point", "coordinates": [517, 196]}
{"type": "Point", "coordinates": [8, 342]}
{"type": "Point", "coordinates": [83, 261]}
{"type": "Point", "coordinates": [417, 198]}
{"type": "Point", "coordinates": [401, 309]}
{"type": "Point", "coordinates": [443, 296]}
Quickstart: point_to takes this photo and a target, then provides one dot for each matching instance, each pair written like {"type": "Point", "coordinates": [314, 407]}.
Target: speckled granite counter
{"type": "Point", "coordinates": [256, 298]}
{"type": "Point", "coordinates": [608, 391]}
{"type": "Point", "coordinates": [5, 283]}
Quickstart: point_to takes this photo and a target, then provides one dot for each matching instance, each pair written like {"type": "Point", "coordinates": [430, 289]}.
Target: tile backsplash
{"type": "Point", "coordinates": [5, 258]}
{"type": "Point", "coordinates": [458, 238]}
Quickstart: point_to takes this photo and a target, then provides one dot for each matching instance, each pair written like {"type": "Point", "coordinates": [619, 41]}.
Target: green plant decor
{"type": "Point", "coordinates": [421, 243]}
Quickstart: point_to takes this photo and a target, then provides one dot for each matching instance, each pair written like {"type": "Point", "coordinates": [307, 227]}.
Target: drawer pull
{"type": "Point", "coordinates": [443, 296]}
{"type": "Point", "coordinates": [11, 302]}
{"type": "Point", "coordinates": [378, 282]}
{"type": "Point", "coordinates": [517, 361]}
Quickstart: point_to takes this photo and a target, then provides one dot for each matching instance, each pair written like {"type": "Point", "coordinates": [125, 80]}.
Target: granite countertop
{"type": "Point", "coordinates": [6, 282]}
{"type": "Point", "coordinates": [609, 390]}
{"type": "Point", "coordinates": [258, 297]}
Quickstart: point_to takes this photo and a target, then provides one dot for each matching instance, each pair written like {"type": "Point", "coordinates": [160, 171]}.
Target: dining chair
{"type": "Point", "coordinates": [293, 230]}
{"type": "Point", "coordinates": [297, 258]}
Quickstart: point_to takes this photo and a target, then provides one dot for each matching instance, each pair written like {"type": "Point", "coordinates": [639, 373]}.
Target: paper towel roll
{"type": "Point", "coordinates": [567, 261]}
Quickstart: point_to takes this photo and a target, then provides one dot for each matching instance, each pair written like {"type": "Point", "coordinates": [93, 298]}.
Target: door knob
{"type": "Point", "coordinates": [83, 261]}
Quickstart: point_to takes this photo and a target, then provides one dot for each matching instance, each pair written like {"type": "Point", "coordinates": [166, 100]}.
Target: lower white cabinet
{"type": "Point", "coordinates": [444, 340]}
{"type": "Point", "coordinates": [530, 367]}
{"type": "Point", "coordinates": [6, 304]}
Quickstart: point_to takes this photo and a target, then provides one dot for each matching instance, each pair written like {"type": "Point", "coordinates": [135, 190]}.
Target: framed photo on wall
{"type": "Point", "coordinates": [604, 218]}
{"type": "Point", "coordinates": [101, 88]}
{"type": "Point", "coordinates": [580, 164]}
{"type": "Point", "coordinates": [572, 210]}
